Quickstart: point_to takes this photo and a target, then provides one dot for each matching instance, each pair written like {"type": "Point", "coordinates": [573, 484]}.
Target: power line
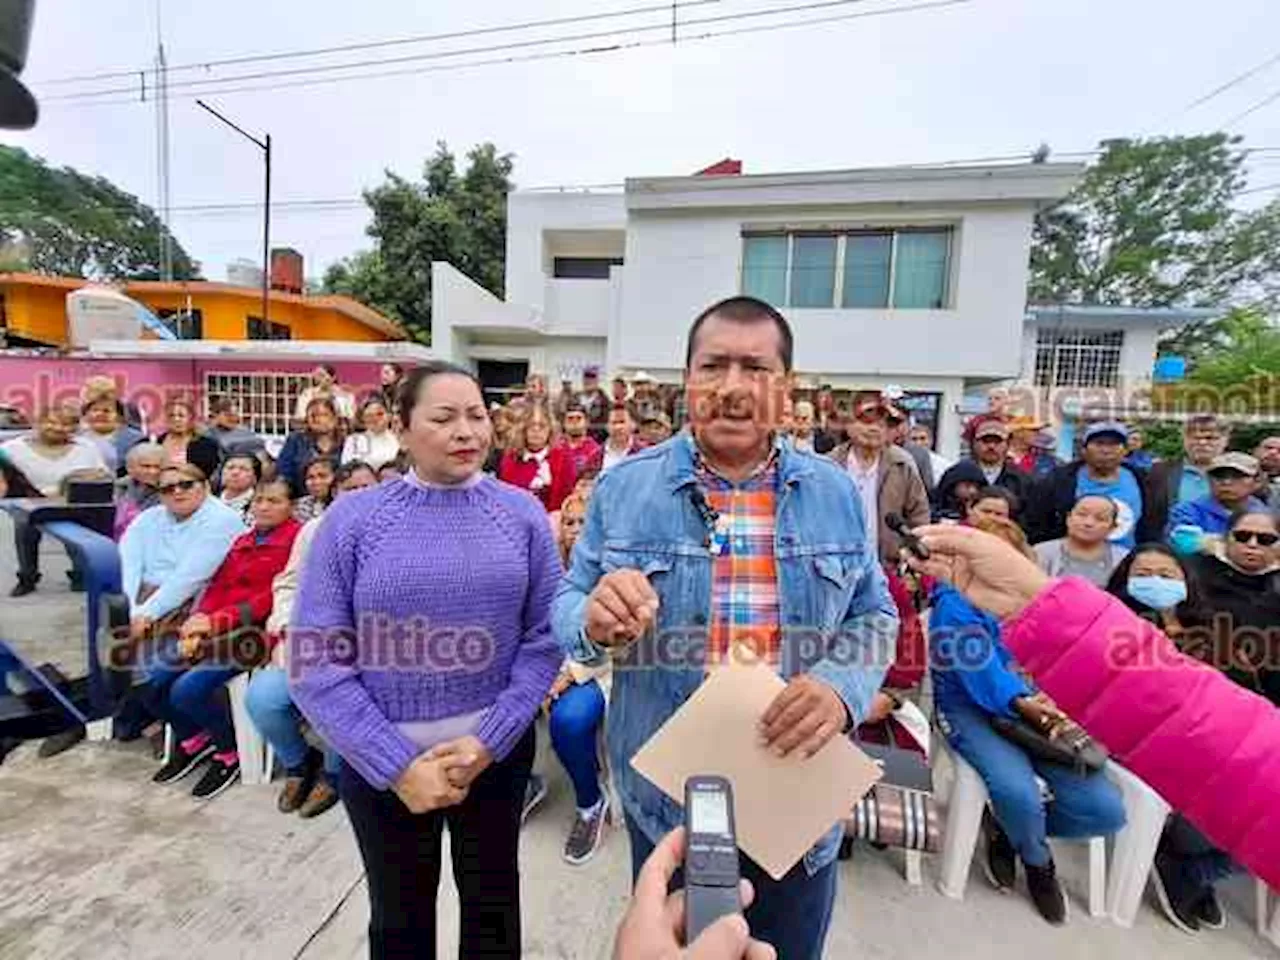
{"type": "Point", "coordinates": [1233, 82]}
{"type": "Point", "coordinates": [1265, 102]}
{"type": "Point", "coordinates": [382, 44]}
{"type": "Point", "coordinates": [214, 86]}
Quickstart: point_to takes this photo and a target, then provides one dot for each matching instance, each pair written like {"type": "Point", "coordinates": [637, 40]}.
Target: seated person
{"type": "Point", "coordinates": [184, 679]}
{"type": "Point", "coordinates": [576, 707]}
{"type": "Point", "coordinates": [1233, 480]}
{"type": "Point", "coordinates": [1156, 584]}
{"type": "Point", "coordinates": [992, 502]}
{"type": "Point", "coordinates": [969, 689]}
{"type": "Point", "coordinates": [957, 490]}
{"type": "Point", "coordinates": [390, 471]}
{"type": "Point", "coordinates": [169, 552]}
{"type": "Point", "coordinates": [1085, 551]}
{"type": "Point", "coordinates": [240, 474]}
{"type": "Point", "coordinates": [138, 491]}
{"type": "Point", "coordinates": [310, 786]}
{"type": "Point", "coordinates": [319, 477]}
{"type": "Point", "coordinates": [46, 458]}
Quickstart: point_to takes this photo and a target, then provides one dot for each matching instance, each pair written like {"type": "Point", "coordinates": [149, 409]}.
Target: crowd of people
{"type": "Point", "coordinates": [554, 532]}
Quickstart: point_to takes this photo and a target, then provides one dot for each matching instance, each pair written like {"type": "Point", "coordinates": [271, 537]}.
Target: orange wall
{"type": "Point", "coordinates": [40, 313]}
{"type": "Point", "coordinates": [37, 313]}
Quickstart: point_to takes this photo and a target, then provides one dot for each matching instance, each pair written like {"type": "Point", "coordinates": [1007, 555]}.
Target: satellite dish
{"type": "Point", "coordinates": [18, 109]}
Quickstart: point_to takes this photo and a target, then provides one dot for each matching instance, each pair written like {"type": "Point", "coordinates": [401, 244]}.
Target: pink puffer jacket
{"type": "Point", "coordinates": [1209, 747]}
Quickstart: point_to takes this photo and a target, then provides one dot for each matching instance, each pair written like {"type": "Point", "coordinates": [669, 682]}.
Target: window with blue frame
{"type": "Point", "coordinates": [900, 269]}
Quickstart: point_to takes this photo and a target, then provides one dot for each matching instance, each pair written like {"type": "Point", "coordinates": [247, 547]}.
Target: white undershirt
{"type": "Point", "coordinates": [47, 473]}
{"type": "Point", "coordinates": [867, 481]}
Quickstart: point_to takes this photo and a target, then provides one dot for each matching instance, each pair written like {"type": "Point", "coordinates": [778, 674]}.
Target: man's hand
{"type": "Point", "coordinates": [882, 707]}
{"type": "Point", "coordinates": [138, 626]}
{"type": "Point", "coordinates": [621, 608]}
{"type": "Point", "coordinates": [653, 928]}
{"type": "Point", "coordinates": [197, 623]}
{"type": "Point", "coordinates": [425, 785]}
{"type": "Point", "coordinates": [1041, 713]}
{"type": "Point", "coordinates": [466, 758]}
{"type": "Point", "coordinates": [803, 717]}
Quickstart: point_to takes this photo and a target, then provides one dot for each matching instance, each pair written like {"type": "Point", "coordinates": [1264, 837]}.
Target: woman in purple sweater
{"type": "Point", "coordinates": [421, 649]}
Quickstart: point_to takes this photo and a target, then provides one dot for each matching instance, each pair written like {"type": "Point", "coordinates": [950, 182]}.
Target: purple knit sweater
{"type": "Point", "coordinates": [418, 604]}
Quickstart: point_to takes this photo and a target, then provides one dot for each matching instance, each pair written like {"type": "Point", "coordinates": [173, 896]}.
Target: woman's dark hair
{"type": "Point", "coordinates": [333, 469]}
{"type": "Point", "coordinates": [329, 368]}
{"type": "Point", "coordinates": [396, 367]}
{"type": "Point", "coordinates": [992, 492]}
{"type": "Point", "coordinates": [411, 386]}
{"type": "Point", "coordinates": [372, 400]}
{"type": "Point", "coordinates": [16, 481]}
{"type": "Point", "coordinates": [351, 467]}
{"type": "Point", "coordinates": [339, 430]}
{"type": "Point", "coordinates": [84, 408]}
{"type": "Point", "coordinates": [1191, 612]}
{"type": "Point", "coordinates": [1115, 506]}
{"type": "Point", "coordinates": [1238, 515]}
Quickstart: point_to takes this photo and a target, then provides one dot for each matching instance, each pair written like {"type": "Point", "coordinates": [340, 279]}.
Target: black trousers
{"type": "Point", "coordinates": [401, 852]}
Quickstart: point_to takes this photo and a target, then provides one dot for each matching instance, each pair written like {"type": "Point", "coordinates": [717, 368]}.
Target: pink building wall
{"type": "Point", "coordinates": [31, 383]}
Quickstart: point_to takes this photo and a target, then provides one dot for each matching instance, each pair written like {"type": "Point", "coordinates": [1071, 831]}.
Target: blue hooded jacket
{"type": "Point", "coordinates": [969, 662]}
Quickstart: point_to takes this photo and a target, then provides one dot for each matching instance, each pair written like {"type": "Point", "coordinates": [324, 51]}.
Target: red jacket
{"type": "Point", "coordinates": [240, 592]}
{"type": "Point", "coordinates": [583, 454]}
{"type": "Point", "coordinates": [519, 472]}
{"type": "Point", "coordinates": [1208, 746]}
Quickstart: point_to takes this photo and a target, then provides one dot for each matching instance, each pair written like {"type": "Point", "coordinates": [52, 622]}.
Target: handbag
{"type": "Point", "coordinates": [900, 810]}
{"type": "Point", "coordinates": [1075, 749]}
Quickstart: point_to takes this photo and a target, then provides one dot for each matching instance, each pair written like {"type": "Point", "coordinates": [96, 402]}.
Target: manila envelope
{"type": "Point", "coordinates": [782, 806]}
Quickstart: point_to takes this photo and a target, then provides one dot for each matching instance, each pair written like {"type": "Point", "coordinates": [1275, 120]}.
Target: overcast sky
{"type": "Point", "coordinates": [982, 78]}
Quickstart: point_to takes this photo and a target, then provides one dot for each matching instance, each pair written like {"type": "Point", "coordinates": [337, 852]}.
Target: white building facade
{"type": "Point", "coordinates": [909, 276]}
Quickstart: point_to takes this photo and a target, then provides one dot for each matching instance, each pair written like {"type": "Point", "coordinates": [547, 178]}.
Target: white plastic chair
{"type": "Point", "coordinates": [257, 758]}
{"type": "Point", "coordinates": [964, 819]}
{"type": "Point", "coordinates": [1267, 924]}
{"type": "Point", "coordinates": [1134, 851]}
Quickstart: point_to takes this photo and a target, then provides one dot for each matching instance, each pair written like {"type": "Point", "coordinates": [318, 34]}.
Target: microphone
{"type": "Point", "coordinates": [899, 526]}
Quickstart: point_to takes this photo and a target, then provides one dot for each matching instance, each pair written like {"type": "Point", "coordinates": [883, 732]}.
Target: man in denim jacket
{"type": "Point", "coordinates": [727, 537]}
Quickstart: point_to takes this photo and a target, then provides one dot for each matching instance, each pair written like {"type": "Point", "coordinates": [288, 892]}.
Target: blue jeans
{"type": "Point", "coordinates": [188, 697]}
{"type": "Point", "coordinates": [1199, 861]}
{"type": "Point", "coordinates": [274, 714]}
{"type": "Point", "coordinates": [575, 724]}
{"type": "Point", "coordinates": [1082, 806]}
{"type": "Point", "coordinates": [791, 914]}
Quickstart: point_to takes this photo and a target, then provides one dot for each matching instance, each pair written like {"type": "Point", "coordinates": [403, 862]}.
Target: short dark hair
{"type": "Point", "coordinates": [744, 310]}
{"type": "Point", "coordinates": [411, 385]}
{"type": "Point", "coordinates": [1115, 505]}
{"type": "Point", "coordinates": [270, 482]}
{"type": "Point", "coordinates": [318, 460]}
{"type": "Point", "coordinates": [329, 368]}
{"type": "Point", "coordinates": [1238, 516]}
{"type": "Point", "coordinates": [350, 468]}
{"type": "Point", "coordinates": [254, 463]}
{"type": "Point", "coordinates": [223, 405]}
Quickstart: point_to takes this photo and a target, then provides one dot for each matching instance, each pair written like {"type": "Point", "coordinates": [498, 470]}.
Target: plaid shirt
{"type": "Point", "coordinates": [744, 578]}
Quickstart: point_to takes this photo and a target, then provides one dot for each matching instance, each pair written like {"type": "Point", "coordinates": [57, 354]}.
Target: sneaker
{"type": "Point", "coordinates": [534, 793]}
{"type": "Point", "coordinates": [320, 799]}
{"type": "Point", "coordinates": [1046, 892]}
{"type": "Point", "coordinates": [222, 773]}
{"type": "Point", "coordinates": [1177, 899]}
{"type": "Point", "coordinates": [183, 762]}
{"type": "Point", "coordinates": [1001, 863]}
{"type": "Point", "coordinates": [1209, 911]}
{"type": "Point", "coordinates": [586, 834]}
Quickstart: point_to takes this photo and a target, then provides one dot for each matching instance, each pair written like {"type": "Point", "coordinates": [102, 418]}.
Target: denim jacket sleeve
{"type": "Point", "coordinates": [867, 641]}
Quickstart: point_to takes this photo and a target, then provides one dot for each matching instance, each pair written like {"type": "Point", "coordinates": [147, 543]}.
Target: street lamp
{"type": "Point", "coordinates": [265, 146]}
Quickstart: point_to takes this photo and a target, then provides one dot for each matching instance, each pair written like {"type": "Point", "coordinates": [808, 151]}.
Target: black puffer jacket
{"type": "Point", "coordinates": [1244, 612]}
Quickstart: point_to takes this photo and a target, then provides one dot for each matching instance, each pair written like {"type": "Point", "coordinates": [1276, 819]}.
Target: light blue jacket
{"type": "Point", "coordinates": [1207, 514]}
{"type": "Point", "coordinates": [838, 620]}
{"type": "Point", "coordinates": [178, 557]}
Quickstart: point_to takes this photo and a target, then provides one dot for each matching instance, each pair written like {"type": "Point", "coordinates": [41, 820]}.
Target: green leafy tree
{"type": "Point", "coordinates": [1154, 224]}
{"type": "Point", "coordinates": [461, 219]}
{"type": "Point", "coordinates": [59, 221]}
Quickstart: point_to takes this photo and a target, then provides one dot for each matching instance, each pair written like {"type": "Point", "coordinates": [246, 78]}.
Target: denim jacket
{"type": "Point", "coordinates": [838, 620]}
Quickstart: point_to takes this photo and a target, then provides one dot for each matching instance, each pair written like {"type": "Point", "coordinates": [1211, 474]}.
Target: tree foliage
{"type": "Point", "coordinates": [1154, 224]}
{"type": "Point", "coordinates": [59, 221]}
{"type": "Point", "coordinates": [461, 219]}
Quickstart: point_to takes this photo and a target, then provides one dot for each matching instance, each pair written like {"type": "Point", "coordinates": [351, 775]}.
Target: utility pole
{"type": "Point", "coordinates": [162, 150]}
{"type": "Point", "coordinates": [265, 146]}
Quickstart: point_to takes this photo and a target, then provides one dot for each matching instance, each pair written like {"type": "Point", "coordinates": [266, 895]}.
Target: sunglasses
{"type": "Point", "coordinates": [183, 485]}
{"type": "Point", "coordinates": [1262, 539]}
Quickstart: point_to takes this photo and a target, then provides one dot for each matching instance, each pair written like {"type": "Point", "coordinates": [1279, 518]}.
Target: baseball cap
{"type": "Point", "coordinates": [991, 427]}
{"type": "Point", "coordinates": [870, 406]}
{"type": "Point", "coordinates": [641, 377]}
{"type": "Point", "coordinates": [1240, 462]}
{"type": "Point", "coordinates": [1108, 428]}
{"type": "Point", "coordinates": [590, 373]}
